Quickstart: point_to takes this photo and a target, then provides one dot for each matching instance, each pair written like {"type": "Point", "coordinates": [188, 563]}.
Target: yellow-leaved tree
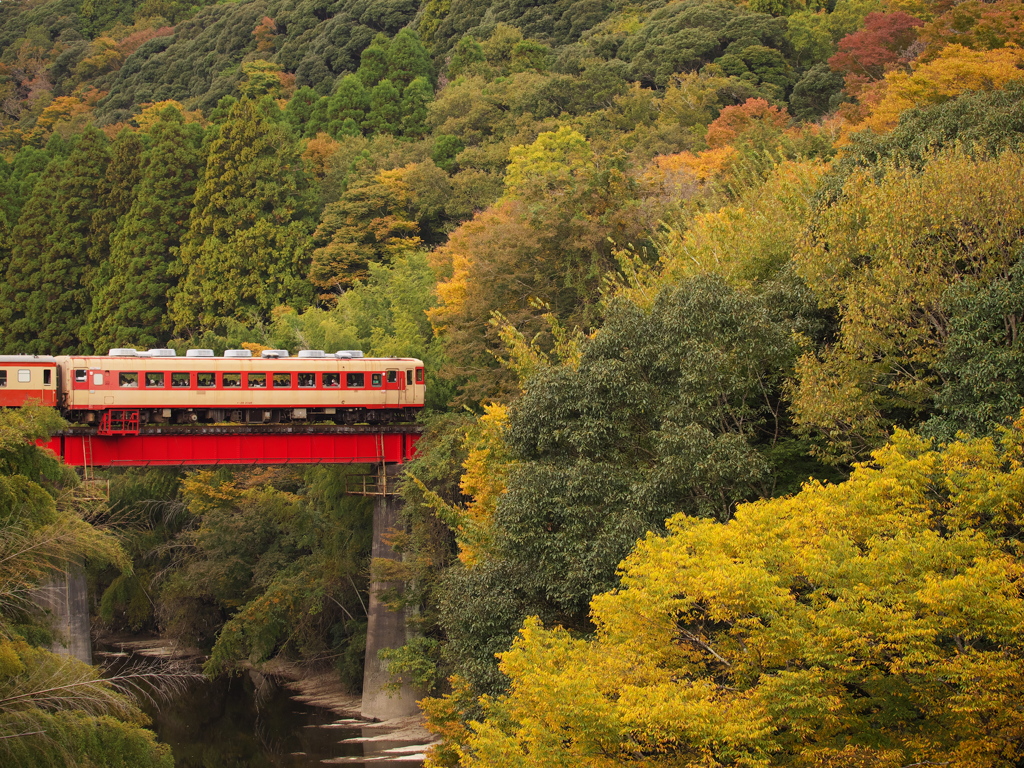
{"type": "Point", "coordinates": [872, 623]}
{"type": "Point", "coordinates": [953, 71]}
{"type": "Point", "coordinates": [884, 257]}
{"type": "Point", "coordinates": [482, 483]}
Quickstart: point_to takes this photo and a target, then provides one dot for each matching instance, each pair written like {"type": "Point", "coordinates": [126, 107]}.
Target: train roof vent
{"type": "Point", "coordinates": [274, 353]}
{"type": "Point", "coordinates": [162, 353]}
{"type": "Point", "coordinates": [348, 353]}
{"type": "Point", "coordinates": [237, 353]}
{"type": "Point", "coordinates": [312, 353]}
{"type": "Point", "coordinates": [199, 353]}
{"type": "Point", "coordinates": [123, 352]}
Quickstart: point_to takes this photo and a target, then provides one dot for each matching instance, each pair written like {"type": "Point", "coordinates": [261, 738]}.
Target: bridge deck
{"type": "Point", "coordinates": [213, 444]}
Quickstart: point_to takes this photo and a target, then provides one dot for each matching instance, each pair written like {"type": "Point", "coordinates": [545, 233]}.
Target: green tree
{"type": "Point", "coordinates": [299, 109]}
{"type": "Point", "coordinates": [54, 710]}
{"type": "Point", "coordinates": [883, 257]}
{"type": "Point", "coordinates": [981, 362]}
{"type": "Point", "coordinates": [407, 59]}
{"type": "Point", "coordinates": [247, 247]}
{"type": "Point", "coordinates": [47, 291]}
{"type": "Point", "coordinates": [670, 409]}
{"type": "Point", "coordinates": [373, 61]}
{"type": "Point", "coordinates": [465, 56]}
{"type": "Point", "coordinates": [817, 92]}
{"type": "Point", "coordinates": [123, 174]}
{"type": "Point", "coordinates": [130, 307]}
{"type": "Point", "coordinates": [417, 95]}
{"type": "Point", "coordinates": [683, 36]}
{"type": "Point", "coordinates": [385, 114]}
{"type": "Point", "coordinates": [350, 101]}
{"type": "Point", "coordinates": [23, 171]}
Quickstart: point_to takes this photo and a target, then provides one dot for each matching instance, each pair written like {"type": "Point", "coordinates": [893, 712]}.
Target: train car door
{"type": "Point", "coordinates": [99, 386]}
{"type": "Point", "coordinates": [394, 387]}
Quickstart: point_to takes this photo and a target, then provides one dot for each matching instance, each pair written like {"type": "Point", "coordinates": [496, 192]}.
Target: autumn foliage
{"type": "Point", "coordinates": [721, 309]}
{"type": "Point", "coordinates": [879, 46]}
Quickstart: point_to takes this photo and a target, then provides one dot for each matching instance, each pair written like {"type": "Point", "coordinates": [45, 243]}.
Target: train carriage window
{"type": "Point", "coordinates": [231, 380]}
{"type": "Point", "coordinates": [392, 377]}
{"type": "Point", "coordinates": [306, 380]}
{"type": "Point", "coordinates": [408, 377]}
{"type": "Point", "coordinates": [282, 379]}
{"type": "Point", "coordinates": [3, 377]}
{"type": "Point", "coordinates": [97, 379]}
{"type": "Point", "coordinates": [331, 380]}
{"type": "Point", "coordinates": [46, 378]}
{"type": "Point", "coordinates": [355, 380]}
{"type": "Point", "coordinates": [155, 379]}
{"type": "Point", "coordinates": [375, 379]}
{"type": "Point", "coordinates": [24, 375]}
{"type": "Point", "coordinates": [128, 379]}
{"type": "Point", "coordinates": [206, 379]}
{"type": "Point", "coordinates": [81, 376]}
{"type": "Point", "coordinates": [256, 380]}
{"type": "Point", "coordinates": [419, 375]}
{"type": "Point", "coordinates": [181, 380]}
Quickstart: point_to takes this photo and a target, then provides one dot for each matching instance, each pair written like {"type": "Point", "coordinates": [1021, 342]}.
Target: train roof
{"type": "Point", "coordinates": [28, 359]}
{"type": "Point", "coordinates": [244, 354]}
{"type": "Point", "coordinates": [122, 356]}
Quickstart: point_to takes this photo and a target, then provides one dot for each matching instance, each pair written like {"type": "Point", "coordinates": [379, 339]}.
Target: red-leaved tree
{"type": "Point", "coordinates": [873, 50]}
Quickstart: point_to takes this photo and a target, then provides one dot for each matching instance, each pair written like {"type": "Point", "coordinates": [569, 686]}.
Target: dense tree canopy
{"type": "Point", "coordinates": [54, 710]}
{"type": "Point", "coordinates": [129, 308]}
{"type": "Point", "coordinates": [247, 247]}
{"type": "Point", "coordinates": [884, 257]}
{"type": "Point", "coordinates": [661, 259]}
{"type": "Point", "coordinates": [670, 409]}
{"type": "Point", "coordinates": [873, 622]}
{"type": "Point", "coordinates": [47, 290]}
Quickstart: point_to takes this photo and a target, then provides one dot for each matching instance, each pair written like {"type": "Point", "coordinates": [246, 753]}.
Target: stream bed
{"type": "Point", "coordinates": [257, 721]}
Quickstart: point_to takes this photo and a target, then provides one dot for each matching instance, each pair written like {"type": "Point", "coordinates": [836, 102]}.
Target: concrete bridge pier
{"type": "Point", "coordinates": [65, 597]}
{"type": "Point", "coordinates": [387, 628]}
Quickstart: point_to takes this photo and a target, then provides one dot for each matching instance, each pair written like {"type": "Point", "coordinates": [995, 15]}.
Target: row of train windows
{"type": "Point", "coordinates": [24, 376]}
{"type": "Point", "coordinates": [209, 379]}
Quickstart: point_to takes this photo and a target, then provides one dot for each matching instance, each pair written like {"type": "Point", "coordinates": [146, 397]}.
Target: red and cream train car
{"type": "Point", "coordinates": [157, 386]}
{"type": "Point", "coordinates": [28, 379]}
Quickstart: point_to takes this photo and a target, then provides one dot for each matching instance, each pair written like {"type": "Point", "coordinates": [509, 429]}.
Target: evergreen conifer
{"type": "Point", "coordinates": [385, 114]}
{"type": "Point", "coordinates": [131, 303]}
{"type": "Point", "coordinates": [247, 247]}
{"type": "Point", "coordinates": [46, 295]}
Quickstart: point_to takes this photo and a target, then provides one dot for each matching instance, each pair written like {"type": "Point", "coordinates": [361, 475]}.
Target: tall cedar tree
{"type": "Point", "coordinates": [27, 242]}
{"type": "Point", "coordinates": [373, 61]}
{"type": "Point", "coordinates": [407, 59]}
{"type": "Point", "coordinates": [45, 296]}
{"type": "Point", "coordinates": [385, 115]}
{"type": "Point", "coordinates": [131, 304]}
{"type": "Point", "coordinates": [247, 247]}
{"type": "Point", "coordinates": [350, 100]}
{"type": "Point", "coordinates": [123, 175]}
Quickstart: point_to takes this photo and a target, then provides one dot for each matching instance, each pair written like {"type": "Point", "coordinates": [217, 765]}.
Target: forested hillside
{"type": "Point", "coordinates": [679, 270]}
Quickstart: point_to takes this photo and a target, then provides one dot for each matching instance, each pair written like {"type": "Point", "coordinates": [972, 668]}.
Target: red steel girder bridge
{"type": "Point", "coordinates": [239, 444]}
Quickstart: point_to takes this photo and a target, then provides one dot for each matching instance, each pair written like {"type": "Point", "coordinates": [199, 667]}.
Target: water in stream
{"type": "Point", "coordinates": [236, 723]}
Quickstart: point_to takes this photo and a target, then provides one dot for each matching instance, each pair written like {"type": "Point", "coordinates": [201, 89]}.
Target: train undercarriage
{"type": "Point", "coordinates": [143, 416]}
